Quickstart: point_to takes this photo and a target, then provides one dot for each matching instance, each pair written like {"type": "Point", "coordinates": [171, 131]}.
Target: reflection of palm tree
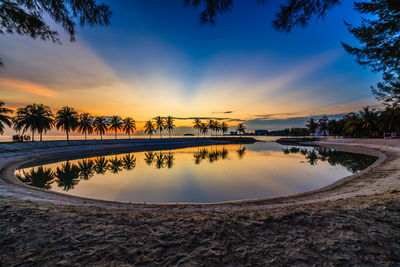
{"type": "Point", "coordinates": [294, 150]}
{"type": "Point", "coordinates": [303, 151]}
{"type": "Point", "coordinates": [241, 151]}
{"type": "Point", "coordinates": [286, 151]}
{"type": "Point", "coordinates": [224, 153]}
{"type": "Point", "coordinates": [312, 157]}
{"type": "Point", "coordinates": [160, 160]}
{"type": "Point", "coordinates": [129, 162]}
{"type": "Point", "coordinates": [67, 176]}
{"type": "Point", "coordinates": [169, 160]}
{"type": "Point", "coordinates": [197, 158]}
{"type": "Point", "coordinates": [42, 177]}
{"type": "Point", "coordinates": [204, 153]}
{"type": "Point", "coordinates": [149, 158]}
{"type": "Point", "coordinates": [115, 165]}
{"type": "Point", "coordinates": [101, 165]}
{"type": "Point", "coordinates": [86, 169]}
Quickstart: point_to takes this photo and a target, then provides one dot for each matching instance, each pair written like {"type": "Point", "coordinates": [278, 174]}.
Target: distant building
{"type": "Point", "coordinates": [322, 128]}
{"type": "Point", "coordinates": [260, 132]}
{"type": "Point", "coordinates": [233, 133]}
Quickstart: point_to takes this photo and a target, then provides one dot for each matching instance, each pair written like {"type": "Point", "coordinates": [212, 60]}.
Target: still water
{"type": "Point", "coordinates": [200, 174]}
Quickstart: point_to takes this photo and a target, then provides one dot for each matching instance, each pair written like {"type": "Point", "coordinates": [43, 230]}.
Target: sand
{"type": "Point", "coordinates": [353, 221]}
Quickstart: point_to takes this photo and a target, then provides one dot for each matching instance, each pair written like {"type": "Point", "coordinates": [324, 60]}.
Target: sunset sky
{"type": "Point", "coordinates": [156, 58]}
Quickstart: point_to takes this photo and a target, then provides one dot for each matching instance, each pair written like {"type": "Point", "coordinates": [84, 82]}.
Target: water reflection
{"type": "Point", "coordinates": [352, 162]}
{"type": "Point", "coordinates": [199, 174]}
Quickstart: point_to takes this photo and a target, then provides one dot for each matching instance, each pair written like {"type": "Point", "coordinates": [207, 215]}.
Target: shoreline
{"type": "Point", "coordinates": [354, 220]}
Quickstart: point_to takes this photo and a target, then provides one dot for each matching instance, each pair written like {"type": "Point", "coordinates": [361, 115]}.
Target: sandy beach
{"type": "Point", "coordinates": [356, 220]}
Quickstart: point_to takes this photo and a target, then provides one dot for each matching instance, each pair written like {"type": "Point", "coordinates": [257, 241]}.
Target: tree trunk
{"type": "Point", "coordinates": [115, 134]}
{"type": "Point", "coordinates": [85, 135]}
{"type": "Point", "coordinates": [33, 135]}
{"type": "Point", "coordinates": [67, 135]}
{"type": "Point", "coordinates": [41, 133]}
{"type": "Point", "coordinates": [129, 134]}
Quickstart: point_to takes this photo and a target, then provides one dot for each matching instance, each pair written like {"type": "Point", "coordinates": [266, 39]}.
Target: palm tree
{"type": "Point", "coordinates": [169, 125]}
{"type": "Point", "coordinates": [67, 120]}
{"type": "Point", "coordinates": [149, 128]}
{"type": "Point", "coordinates": [389, 120]}
{"type": "Point", "coordinates": [44, 119]}
{"type": "Point", "coordinates": [3, 117]}
{"type": "Point", "coordinates": [100, 125]}
{"type": "Point", "coordinates": [159, 124]}
{"type": "Point", "coordinates": [370, 119]}
{"type": "Point", "coordinates": [116, 124]}
{"type": "Point", "coordinates": [224, 128]}
{"type": "Point", "coordinates": [353, 125]}
{"type": "Point", "coordinates": [204, 128]}
{"type": "Point", "coordinates": [210, 125]}
{"type": "Point", "coordinates": [33, 117]}
{"type": "Point", "coordinates": [197, 125]}
{"type": "Point", "coordinates": [85, 124]}
{"type": "Point", "coordinates": [312, 126]}
{"type": "Point", "coordinates": [217, 127]}
{"type": "Point", "coordinates": [333, 127]}
{"type": "Point", "coordinates": [129, 126]}
{"type": "Point", "coordinates": [241, 128]}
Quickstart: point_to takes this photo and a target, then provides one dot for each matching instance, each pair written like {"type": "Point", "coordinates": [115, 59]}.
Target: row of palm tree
{"type": "Point", "coordinates": [352, 162]}
{"type": "Point", "coordinates": [38, 118]}
{"type": "Point", "coordinates": [159, 124]}
{"type": "Point", "coordinates": [213, 125]}
{"type": "Point", "coordinates": [368, 123]}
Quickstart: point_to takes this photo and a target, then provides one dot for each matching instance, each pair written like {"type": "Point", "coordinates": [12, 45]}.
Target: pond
{"type": "Point", "coordinates": [198, 174]}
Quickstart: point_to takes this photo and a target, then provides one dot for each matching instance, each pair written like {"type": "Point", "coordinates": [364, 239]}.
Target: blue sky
{"type": "Point", "coordinates": [157, 58]}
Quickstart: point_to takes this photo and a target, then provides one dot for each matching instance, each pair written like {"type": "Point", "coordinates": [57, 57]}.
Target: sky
{"type": "Point", "coordinates": [156, 58]}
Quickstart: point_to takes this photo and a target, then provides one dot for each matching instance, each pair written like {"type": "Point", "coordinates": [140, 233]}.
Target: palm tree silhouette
{"type": "Point", "coordinates": [241, 128]}
{"type": "Point", "coordinates": [86, 169]}
{"type": "Point", "coordinates": [67, 176]}
{"type": "Point", "coordinates": [169, 125]}
{"type": "Point", "coordinates": [100, 125]}
{"type": "Point", "coordinates": [312, 126]}
{"type": "Point", "coordinates": [129, 162]}
{"type": "Point", "coordinates": [115, 165]}
{"type": "Point", "coordinates": [204, 129]}
{"type": "Point", "coordinates": [42, 177]}
{"type": "Point", "coordinates": [129, 126]}
{"type": "Point", "coordinates": [33, 117]}
{"type": "Point", "coordinates": [85, 124]}
{"type": "Point", "coordinates": [197, 125]}
{"type": "Point", "coordinates": [116, 124]}
{"type": "Point", "coordinates": [149, 128]}
{"type": "Point", "coordinates": [224, 128]}
{"type": "Point", "coordinates": [3, 117]}
{"type": "Point", "coordinates": [101, 165]}
{"type": "Point", "coordinates": [370, 119]}
{"type": "Point", "coordinates": [67, 120]}
{"type": "Point", "coordinates": [159, 124]}
{"type": "Point", "coordinates": [211, 125]}
{"type": "Point", "coordinates": [197, 158]}
{"type": "Point", "coordinates": [149, 158]}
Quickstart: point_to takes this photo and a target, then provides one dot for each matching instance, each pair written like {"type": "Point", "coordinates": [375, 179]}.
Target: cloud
{"type": "Point", "coordinates": [28, 87]}
{"type": "Point", "coordinates": [201, 118]}
{"type": "Point", "coordinates": [222, 112]}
